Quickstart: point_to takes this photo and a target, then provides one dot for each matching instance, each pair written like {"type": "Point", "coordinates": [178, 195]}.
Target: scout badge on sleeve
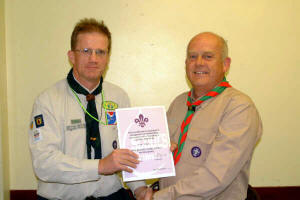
{"type": "Point", "coordinates": [37, 135]}
{"type": "Point", "coordinates": [39, 121]}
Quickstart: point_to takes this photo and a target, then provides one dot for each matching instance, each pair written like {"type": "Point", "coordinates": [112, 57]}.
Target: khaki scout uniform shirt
{"type": "Point", "coordinates": [224, 131]}
{"type": "Point", "coordinates": [57, 142]}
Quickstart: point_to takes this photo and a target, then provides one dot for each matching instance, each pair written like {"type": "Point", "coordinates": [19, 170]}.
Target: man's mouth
{"type": "Point", "coordinates": [201, 72]}
{"type": "Point", "coordinates": [92, 66]}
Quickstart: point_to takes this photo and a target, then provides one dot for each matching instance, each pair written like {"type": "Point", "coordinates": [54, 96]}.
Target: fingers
{"type": "Point", "coordinates": [127, 155]}
{"type": "Point", "coordinates": [126, 159]}
{"type": "Point", "coordinates": [140, 192]}
{"type": "Point", "coordinates": [173, 146]}
{"type": "Point", "coordinates": [118, 160]}
{"type": "Point", "coordinates": [128, 152]}
{"type": "Point", "coordinates": [149, 194]}
{"type": "Point", "coordinates": [124, 168]}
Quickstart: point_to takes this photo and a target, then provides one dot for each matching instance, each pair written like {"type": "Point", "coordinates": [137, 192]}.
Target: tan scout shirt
{"type": "Point", "coordinates": [57, 142]}
{"type": "Point", "coordinates": [217, 153]}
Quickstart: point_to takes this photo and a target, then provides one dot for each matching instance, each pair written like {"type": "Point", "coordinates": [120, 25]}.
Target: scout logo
{"type": "Point", "coordinates": [39, 121]}
{"type": "Point", "coordinates": [114, 144]}
{"type": "Point", "coordinates": [196, 152]}
{"type": "Point", "coordinates": [111, 118]}
{"type": "Point", "coordinates": [141, 121]}
{"type": "Point", "coordinates": [109, 105]}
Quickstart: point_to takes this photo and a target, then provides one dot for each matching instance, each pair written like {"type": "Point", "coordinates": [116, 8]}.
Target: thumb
{"type": "Point", "coordinates": [149, 194]}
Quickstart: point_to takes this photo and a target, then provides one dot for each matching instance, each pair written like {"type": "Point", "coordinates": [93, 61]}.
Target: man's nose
{"type": "Point", "coordinates": [93, 56]}
{"type": "Point", "coordinates": [199, 60]}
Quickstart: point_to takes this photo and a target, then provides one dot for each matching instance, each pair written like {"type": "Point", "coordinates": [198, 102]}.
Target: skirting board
{"type": "Point", "coordinates": [265, 193]}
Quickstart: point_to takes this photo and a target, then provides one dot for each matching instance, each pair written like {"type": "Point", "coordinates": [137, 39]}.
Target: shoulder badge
{"type": "Point", "coordinates": [39, 121]}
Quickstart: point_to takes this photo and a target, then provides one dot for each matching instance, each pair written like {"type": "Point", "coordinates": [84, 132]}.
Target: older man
{"type": "Point", "coordinates": [216, 127]}
{"type": "Point", "coordinates": [73, 133]}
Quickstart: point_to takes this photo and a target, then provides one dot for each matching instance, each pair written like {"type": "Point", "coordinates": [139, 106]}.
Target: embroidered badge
{"type": "Point", "coordinates": [196, 152]}
{"type": "Point", "coordinates": [109, 105]}
{"type": "Point", "coordinates": [111, 118]}
{"type": "Point", "coordinates": [37, 136]}
{"type": "Point", "coordinates": [114, 144]}
{"type": "Point", "coordinates": [39, 121]}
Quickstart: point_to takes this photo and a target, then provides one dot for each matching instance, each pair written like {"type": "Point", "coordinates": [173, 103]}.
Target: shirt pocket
{"type": "Point", "coordinates": [75, 136]}
{"type": "Point", "coordinates": [109, 139]}
{"type": "Point", "coordinates": [197, 146]}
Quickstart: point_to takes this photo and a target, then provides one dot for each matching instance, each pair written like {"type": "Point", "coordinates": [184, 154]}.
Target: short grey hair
{"type": "Point", "coordinates": [223, 41]}
{"type": "Point", "coordinates": [224, 48]}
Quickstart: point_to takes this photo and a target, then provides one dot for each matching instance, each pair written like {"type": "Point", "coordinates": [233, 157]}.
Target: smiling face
{"type": "Point", "coordinates": [88, 69]}
{"type": "Point", "coordinates": [205, 66]}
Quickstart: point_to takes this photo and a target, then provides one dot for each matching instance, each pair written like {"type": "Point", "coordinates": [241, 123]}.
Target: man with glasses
{"type": "Point", "coordinates": [73, 133]}
{"type": "Point", "coordinates": [216, 127]}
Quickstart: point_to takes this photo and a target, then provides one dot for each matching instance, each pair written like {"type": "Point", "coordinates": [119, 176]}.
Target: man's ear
{"type": "Point", "coordinates": [186, 62]}
{"type": "Point", "coordinates": [71, 57]}
{"type": "Point", "coordinates": [226, 64]}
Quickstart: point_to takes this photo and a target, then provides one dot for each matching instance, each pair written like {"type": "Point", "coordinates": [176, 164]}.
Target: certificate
{"type": "Point", "coordinates": [144, 130]}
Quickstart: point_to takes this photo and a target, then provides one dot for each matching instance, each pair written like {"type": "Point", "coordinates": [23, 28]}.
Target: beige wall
{"type": "Point", "coordinates": [4, 140]}
{"type": "Point", "coordinates": [149, 41]}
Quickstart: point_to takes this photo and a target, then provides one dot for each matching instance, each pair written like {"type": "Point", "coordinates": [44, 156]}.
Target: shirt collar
{"type": "Point", "coordinates": [90, 91]}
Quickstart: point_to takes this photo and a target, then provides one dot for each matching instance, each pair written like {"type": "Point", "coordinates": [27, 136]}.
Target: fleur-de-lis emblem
{"type": "Point", "coordinates": [141, 120]}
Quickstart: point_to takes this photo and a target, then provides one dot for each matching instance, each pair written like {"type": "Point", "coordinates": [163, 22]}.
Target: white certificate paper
{"type": "Point", "coordinates": [144, 130]}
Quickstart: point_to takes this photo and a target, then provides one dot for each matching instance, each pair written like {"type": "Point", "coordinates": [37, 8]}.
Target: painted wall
{"type": "Point", "coordinates": [4, 140]}
{"type": "Point", "coordinates": [148, 52]}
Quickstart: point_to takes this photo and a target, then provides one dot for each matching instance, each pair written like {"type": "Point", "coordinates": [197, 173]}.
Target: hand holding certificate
{"type": "Point", "coordinates": [144, 130]}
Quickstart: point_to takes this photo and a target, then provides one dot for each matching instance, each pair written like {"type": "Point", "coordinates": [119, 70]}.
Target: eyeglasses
{"type": "Point", "coordinates": [89, 52]}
